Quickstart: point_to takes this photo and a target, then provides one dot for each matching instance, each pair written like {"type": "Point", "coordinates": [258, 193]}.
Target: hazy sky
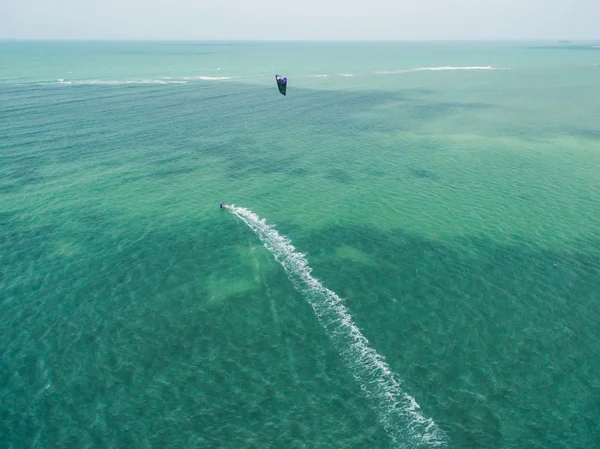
{"type": "Point", "coordinates": [301, 19]}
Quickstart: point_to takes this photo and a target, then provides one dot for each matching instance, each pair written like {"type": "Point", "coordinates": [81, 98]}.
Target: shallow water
{"type": "Point", "coordinates": [451, 214]}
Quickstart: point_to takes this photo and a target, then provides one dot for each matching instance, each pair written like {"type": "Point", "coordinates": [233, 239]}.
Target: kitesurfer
{"type": "Point", "coordinates": [222, 206]}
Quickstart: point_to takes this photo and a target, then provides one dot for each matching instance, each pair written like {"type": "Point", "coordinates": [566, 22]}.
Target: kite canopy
{"type": "Point", "coordinates": [281, 84]}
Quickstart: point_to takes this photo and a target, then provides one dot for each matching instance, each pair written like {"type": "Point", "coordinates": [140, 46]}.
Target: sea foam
{"type": "Point", "coordinates": [398, 412]}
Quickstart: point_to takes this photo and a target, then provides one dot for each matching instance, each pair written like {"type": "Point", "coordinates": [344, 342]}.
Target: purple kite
{"type": "Point", "coordinates": [281, 84]}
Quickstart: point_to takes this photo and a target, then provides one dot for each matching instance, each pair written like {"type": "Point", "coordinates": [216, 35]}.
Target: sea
{"type": "Point", "coordinates": [408, 257]}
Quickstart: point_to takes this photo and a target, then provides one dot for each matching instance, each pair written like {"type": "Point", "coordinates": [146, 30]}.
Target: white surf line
{"type": "Point", "coordinates": [444, 68]}
{"type": "Point", "coordinates": [398, 412]}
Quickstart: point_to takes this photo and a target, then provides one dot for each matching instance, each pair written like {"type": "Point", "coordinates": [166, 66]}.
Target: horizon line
{"type": "Point", "coordinates": [135, 39]}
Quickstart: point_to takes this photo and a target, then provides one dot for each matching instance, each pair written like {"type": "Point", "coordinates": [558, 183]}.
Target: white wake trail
{"type": "Point", "coordinates": [398, 412]}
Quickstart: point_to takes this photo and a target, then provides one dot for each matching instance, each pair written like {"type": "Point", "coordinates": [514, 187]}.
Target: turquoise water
{"type": "Point", "coordinates": [439, 282]}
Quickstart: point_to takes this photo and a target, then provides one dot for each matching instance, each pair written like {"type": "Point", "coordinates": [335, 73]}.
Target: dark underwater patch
{"type": "Point", "coordinates": [246, 164]}
{"type": "Point", "coordinates": [23, 176]}
{"type": "Point", "coordinates": [339, 175]}
{"type": "Point", "coordinates": [422, 173]}
{"type": "Point", "coordinates": [9, 188]}
{"type": "Point", "coordinates": [435, 110]}
{"type": "Point", "coordinates": [162, 160]}
{"type": "Point", "coordinates": [591, 134]}
{"type": "Point", "coordinates": [168, 172]}
{"type": "Point", "coordinates": [7, 218]}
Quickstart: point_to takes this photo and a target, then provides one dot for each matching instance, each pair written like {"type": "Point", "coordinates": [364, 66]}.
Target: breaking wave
{"type": "Point", "coordinates": [163, 80]}
{"type": "Point", "coordinates": [488, 67]}
{"type": "Point", "coordinates": [434, 69]}
{"type": "Point", "coordinates": [207, 78]}
{"type": "Point", "coordinates": [101, 82]}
